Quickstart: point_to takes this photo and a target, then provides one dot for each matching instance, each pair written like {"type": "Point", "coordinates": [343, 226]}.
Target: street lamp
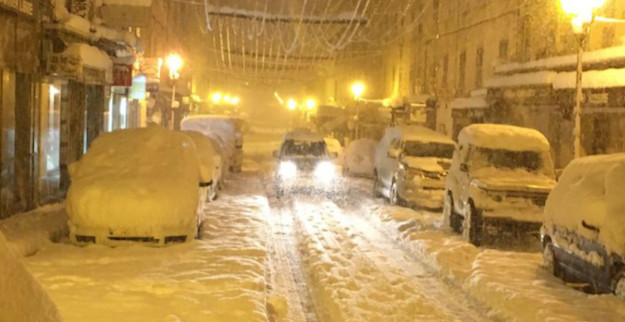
{"type": "Point", "coordinates": [310, 104]}
{"type": "Point", "coordinates": [291, 104]}
{"type": "Point", "coordinates": [357, 89]}
{"type": "Point", "coordinates": [583, 15]}
{"type": "Point", "coordinates": [174, 63]}
{"type": "Point", "coordinates": [216, 97]}
{"type": "Point", "coordinates": [234, 100]}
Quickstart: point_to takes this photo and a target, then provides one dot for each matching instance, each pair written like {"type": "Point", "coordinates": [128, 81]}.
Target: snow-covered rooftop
{"type": "Point", "coordinates": [544, 78]}
{"type": "Point", "coordinates": [559, 62]}
{"type": "Point", "coordinates": [504, 137]}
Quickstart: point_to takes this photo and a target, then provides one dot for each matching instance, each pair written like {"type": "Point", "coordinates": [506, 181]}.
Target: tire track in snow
{"type": "Point", "coordinates": [354, 279]}
{"type": "Point", "coordinates": [286, 263]}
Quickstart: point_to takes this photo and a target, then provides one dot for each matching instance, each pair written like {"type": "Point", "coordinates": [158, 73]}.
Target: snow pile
{"type": "Point", "coordinates": [358, 157]}
{"type": "Point", "coordinates": [591, 190]}
{"type": "Point", "coordinates": [437, 165]}
{"type": "Point", "coordinates": [28, 232]}
{"type": "Point", "coordinates": [503, 137]}
{"type": "Point", "coordinates": [21, 297]}
{"type": "Point", "coordinates": [420, 133]}
{"type": "Point", "coordinates": [205, 154]}
{"type": "Point", "coordinates": [135, 182]}
{"type": "Point", "coordinates": [221, 277]}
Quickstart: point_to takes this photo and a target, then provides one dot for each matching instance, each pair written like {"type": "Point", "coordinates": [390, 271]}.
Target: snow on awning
{"type": "Point", "coordinates": [592, 79]}
{"type": "Point", "coordinates": [92, 57]}
{"type": "Point", "coordinates": [131, 3]}
{"type": "Point", "coordinates": [592, 57]}
{"type": "Point", "coordinates": [467, 103]}
{"type": "Point", "coordinates": [525, 79]}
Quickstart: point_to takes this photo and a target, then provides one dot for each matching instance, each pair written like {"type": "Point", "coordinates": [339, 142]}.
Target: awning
{"type": "Point", "coordinates": [478, 102]}
{"type": "Point", "coordinates": [608, 78]}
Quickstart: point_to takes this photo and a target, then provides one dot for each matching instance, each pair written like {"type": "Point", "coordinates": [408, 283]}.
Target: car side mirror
{"type": "Point", "coordinates": [394, 154]}
{"type": "Point", "coordinates": [464, 167]}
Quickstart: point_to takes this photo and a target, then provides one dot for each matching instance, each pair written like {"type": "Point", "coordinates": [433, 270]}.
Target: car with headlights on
{"type": "Point", "coordinates": [411, 164]}
{"type": "Point", "coordinates": [304, 165]}
{"type": "Point", "coordinates": [498, 182]}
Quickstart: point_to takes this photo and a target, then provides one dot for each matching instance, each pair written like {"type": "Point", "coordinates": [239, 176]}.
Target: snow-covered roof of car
{"type": "Point", "coordinates": [591, 190]}
{"type": "Point", "coordinates": [303, 135]}
{"type": "Point", "coordinates": [504, 137]}
{"type": "Point", "coordinates": [419, 133]}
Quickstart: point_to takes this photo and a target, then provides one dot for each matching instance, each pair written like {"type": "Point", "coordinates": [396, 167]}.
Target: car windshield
{"type": "Point", "coordinates": [291, 148]}
{"type": "Point", "coordinates": [528, 160]}
{"type": "Point", "coordinates": [428, 149]}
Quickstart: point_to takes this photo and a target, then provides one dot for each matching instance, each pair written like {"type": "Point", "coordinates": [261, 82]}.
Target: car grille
{"type": "Point", "coordinates": [538, 198]}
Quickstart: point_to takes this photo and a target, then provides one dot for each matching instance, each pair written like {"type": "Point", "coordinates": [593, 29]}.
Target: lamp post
{"type": "Point", "coordinates": [174, 64]}
{"type": "Point", "coordinates": [583, 15]}
{"type": "Point", "coordinates": [358, 88]}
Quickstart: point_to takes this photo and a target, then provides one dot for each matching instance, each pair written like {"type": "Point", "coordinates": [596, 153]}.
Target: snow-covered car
{"type": "Point", "coordinates": [223, 129]}
{"type": "Point", "coordinates": [411, 164]}
{"type": "Point", "coordinates": [498, 182]}
{"type": "Point", "coordinates": [583, 235]}
{"type": "Point", "coordinates": [135, 185]}
{"type": "Point", "coordinates": [304, 165]}
{"type": "Point", "coordinates": [209, 164]}
{"type": "Point", "coordinates": [358, 158]}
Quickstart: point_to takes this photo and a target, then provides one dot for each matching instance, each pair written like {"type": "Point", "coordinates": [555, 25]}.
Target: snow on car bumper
{"type": "Point", "coordinates": [426, 197]}
{"type": "Point", "coordinates": [110, 237]}
{"type": "Point", "coordinates": [512, 222]}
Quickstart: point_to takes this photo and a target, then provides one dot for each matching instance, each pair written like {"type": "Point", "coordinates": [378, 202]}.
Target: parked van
{"type": "Point", "coordinates": [225, 130]}
{"type": "Point", "coordinates": [498, 182]}
{"type": "Point", "coordinates": [583, 236]}
{"type": "Point", "coordinates": [411, 164]}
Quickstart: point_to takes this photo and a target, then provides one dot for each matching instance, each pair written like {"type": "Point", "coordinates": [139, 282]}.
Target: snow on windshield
{"type": "Point", "coordinates": [429, 149]}
{"type": "Point", "coordinates": [305, 148]}
{"type": "Point", "coordinates": [528, 160]}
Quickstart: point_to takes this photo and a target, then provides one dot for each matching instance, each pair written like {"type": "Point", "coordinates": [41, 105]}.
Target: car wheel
{"type": "Point", "coordinates": [394, 197]}
{"type": "Point", "coordinates": [619, 286]}
{"type": "Point", "coordinates": [550, 261]}
{"type": "Point", "coordinates": [450, 217]}
{"type": "Point", "coordinates": [376, 186]}
{"type": "Point", "coordinates": [472, 226]}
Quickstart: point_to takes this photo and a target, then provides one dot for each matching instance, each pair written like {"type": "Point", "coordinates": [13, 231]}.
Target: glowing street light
{"type": "Point", "coordinates": [583, 12]}
{"type": "Point", "coordinates": [227, 98]}
{"type": "Point", "coordinates": [311, 104]}
{"type": "Point", "coordinates": [291, 104]}
{"type": "Point", "coordinates": [234, 101]}
{"type": "Point", "coordinates": [174, 64]}
{"type": "Point", "coordinates": [357, 89]}
{"type": "Point", "coordinates": [216, 97]}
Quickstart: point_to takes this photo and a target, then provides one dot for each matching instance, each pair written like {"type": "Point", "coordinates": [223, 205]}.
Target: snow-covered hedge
{"type": "Point", "coordinates": [135, 182]}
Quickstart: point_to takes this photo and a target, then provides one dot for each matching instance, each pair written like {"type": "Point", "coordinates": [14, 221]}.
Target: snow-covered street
{"type": "Point", "coordinates": [302, 258]}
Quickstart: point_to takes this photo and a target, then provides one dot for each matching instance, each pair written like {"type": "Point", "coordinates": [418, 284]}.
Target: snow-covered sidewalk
{"type": "Point", "coordinates": [513, 284]}
{"type": "Point", "coordinates": [221, 277]}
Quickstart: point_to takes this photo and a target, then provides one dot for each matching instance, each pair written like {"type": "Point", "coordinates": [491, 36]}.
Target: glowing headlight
{"type": "Point", "coordinates": [287, 170]}
{"type": "Point", "coordinates": [325, 171]}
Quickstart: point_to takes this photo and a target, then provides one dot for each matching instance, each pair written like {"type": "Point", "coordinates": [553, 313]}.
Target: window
{"type": "Point", "coordinates": [503, 49]}
{"type": "Point", "coordinates": [462, 64]}
{"type": "Point", "coordinates": [479, 63]}
{"type": "Point", "coordinates": [49, 142]}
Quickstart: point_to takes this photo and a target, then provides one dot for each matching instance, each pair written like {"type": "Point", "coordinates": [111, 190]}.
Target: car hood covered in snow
{"type": "Point", "coordinates": [437, 165]}
{"type": "Point", "coordinates": [512, 180]}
